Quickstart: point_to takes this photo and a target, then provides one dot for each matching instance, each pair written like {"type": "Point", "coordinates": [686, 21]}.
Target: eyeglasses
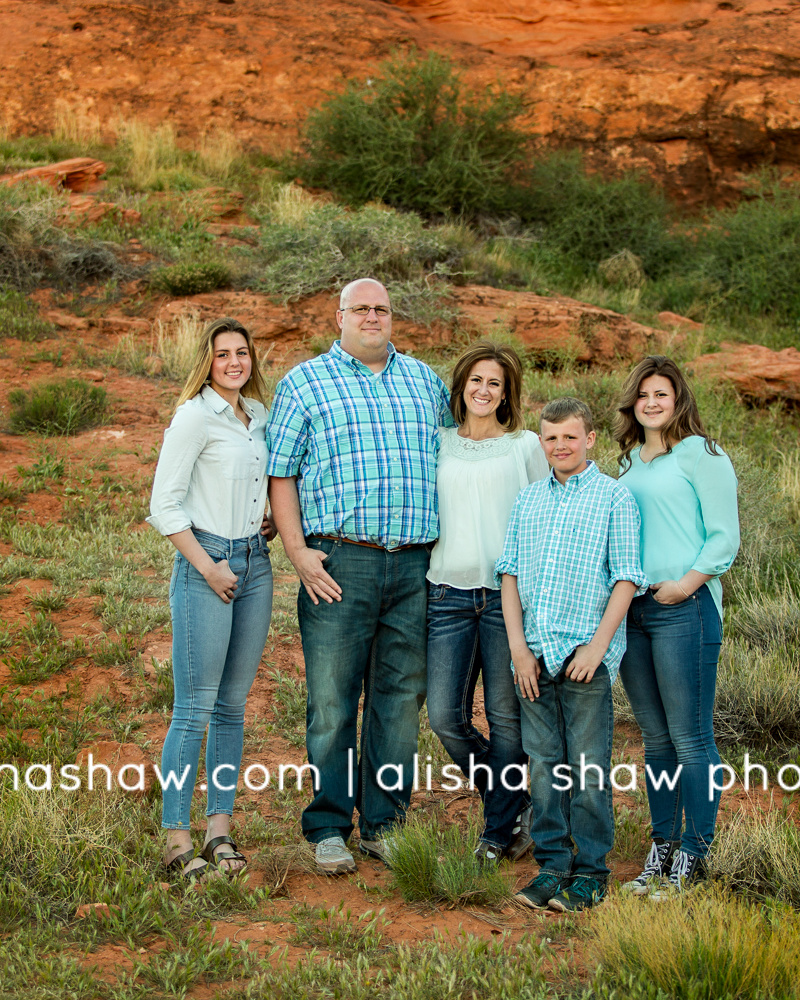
{"type": "Point", "coordinates": [366, 310]}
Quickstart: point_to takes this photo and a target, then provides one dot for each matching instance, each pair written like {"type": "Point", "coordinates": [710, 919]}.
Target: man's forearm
{"type": "Point", "coordinates": [285, 505]}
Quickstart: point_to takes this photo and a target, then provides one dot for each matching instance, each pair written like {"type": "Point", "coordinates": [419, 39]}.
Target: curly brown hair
{"type": "Point", "coordinates": [509, 412]}
{"type": "Point", "coordinates": [685, 421]}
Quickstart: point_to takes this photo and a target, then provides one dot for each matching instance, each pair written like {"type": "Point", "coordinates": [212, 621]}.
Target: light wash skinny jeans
{"type": "Point", "coordinates": [216, 649]}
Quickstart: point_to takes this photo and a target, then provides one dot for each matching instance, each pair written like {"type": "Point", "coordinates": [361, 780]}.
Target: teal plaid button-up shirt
{"type": "Point", "coordinates": [568, 545]}
{"type": "Point", "coordinates": [363, 446]}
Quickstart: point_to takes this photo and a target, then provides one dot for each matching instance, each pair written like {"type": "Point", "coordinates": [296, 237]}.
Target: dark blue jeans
{"type": "Point", "coordinates": [374, 638]}
{"type": "Point", "coordinates": [467, 638]}
{"type": "Point", "coordinates": [670, 675]}
{"type": "Point", "coordinates": [570, 720]}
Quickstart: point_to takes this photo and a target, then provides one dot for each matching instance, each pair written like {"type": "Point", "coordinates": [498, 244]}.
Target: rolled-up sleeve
{"type": "Point", "coordinates": [624, 558]}
{"type": "Point", "coordinates": [715, 484]}
{"type": "Point", "coordinates": [287, 433]}
{"type": "Point", "coordinates": [184, 439]}
{"type": "Point", "coordinates": [509, 560]}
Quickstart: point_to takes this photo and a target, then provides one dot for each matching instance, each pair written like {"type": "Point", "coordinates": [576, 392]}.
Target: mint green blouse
{"type": "Point", "coordinates": [690, 518]}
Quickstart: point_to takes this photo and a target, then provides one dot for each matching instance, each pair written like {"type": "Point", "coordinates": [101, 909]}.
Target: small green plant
{"type": "Point", "coordinates": [191, 277]}
{"type": "Point", "coordinates": [436, 864]}
{"type": "Point", "coordinates": [337, 931]}
{"type": "Point", "coordinates": [20, 318]}
{"type": "Point", "coordinates": [290, 699]}
{"type": "Point", "coordinates": [414, 136]}
{"type": "Point", "coordinates": [58, 407]}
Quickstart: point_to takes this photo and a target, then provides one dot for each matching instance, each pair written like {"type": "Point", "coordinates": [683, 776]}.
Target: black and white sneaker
{"type": "Point", "coordinates": [656, 867]}
{"type": "Point", "coordinates": [687, 872]}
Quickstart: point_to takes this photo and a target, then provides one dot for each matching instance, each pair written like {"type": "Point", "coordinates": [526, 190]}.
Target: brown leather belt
{"type": "Point", "coordinates": [369, 545]}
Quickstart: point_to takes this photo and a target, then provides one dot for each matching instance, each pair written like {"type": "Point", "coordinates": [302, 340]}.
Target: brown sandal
{"type": "Point", "coordinates": [207, 854]}
{"type": "Point", "coordinates": [177, 868]}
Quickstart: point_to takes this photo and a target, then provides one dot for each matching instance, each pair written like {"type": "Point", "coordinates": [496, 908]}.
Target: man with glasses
{"type": "Point", "coordinates": [352, 438]}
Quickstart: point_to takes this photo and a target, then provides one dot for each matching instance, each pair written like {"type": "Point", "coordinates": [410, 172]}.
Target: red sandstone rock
{"type": "Point", "coordinates": [757, 372]}
{"type": "Point", "coordinates": [66, 320]}
{"type": "Point", "coordinates": [85, 208]}
{"type": "Point", "coordinates": [101, 910]}
{"type": "Point", "coordinates": [682, 322]}
{"type": "Point", "coordinates": [79, 174]}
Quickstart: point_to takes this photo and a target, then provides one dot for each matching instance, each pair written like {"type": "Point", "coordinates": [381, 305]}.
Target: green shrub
{"type": "Point", "coordinates": [751, 253]}
{"type": "Point", "coordinates": [589, 219]}
{"type": "Point", "coordinates": [191, 277]}
{"type": "Point", "coordinates": [330, 246]}
{"type": "Point", "coordinates": [58, 407]}
{"type": "Point", "coordinates": [20, 318]}
{"type": "Point", "coordinates": [415, 137]}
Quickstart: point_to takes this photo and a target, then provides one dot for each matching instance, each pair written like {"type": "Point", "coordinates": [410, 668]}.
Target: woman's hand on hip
{"type": "Point", "coordinates": [222, 580]}
{"type": "Point", "coordinates": [669, 592]}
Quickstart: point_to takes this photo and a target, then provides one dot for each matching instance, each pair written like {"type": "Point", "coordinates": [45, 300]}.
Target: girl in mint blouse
{"type": "Point", "coordinates": [686, 490]}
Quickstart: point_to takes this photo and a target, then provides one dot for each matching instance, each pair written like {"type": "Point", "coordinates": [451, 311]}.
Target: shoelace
{"type": "Point", "coordinates": [655, 860]}
{"type": "Point", "coordinates": [583, 887]}
{"type": "Point", "coordinates": [680, 868]}
{"type": "Point", "coordinates": [547, 880]}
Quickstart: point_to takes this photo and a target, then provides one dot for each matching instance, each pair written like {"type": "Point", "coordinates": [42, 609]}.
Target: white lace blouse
{"type": "Point", "coordinates": [477, 483]}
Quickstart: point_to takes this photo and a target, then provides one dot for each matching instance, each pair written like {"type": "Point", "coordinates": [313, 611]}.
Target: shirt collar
{"type": "Point", "coordinates": [218, 404]}
{"type": "Point", "coordinates": [347, 359]}
{"type": "Point", "coordinates": [578, 482]}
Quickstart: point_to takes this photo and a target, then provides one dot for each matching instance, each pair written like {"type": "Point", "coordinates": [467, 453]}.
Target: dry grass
{"type": "Point", "coordinates": [176, 343]}
{"type": "Point", "coordinates": [702, 946]}
{"type": "Point", "coordinates": [291, 205]}
{"type": "Point", "coordinates": [218, 151]}
{"type": "Point", "coordinates": [759, 854]}
{"type": "Point", "coordinates": [149, 150]}
{"type": "Point", "coordinates": [73, 123]}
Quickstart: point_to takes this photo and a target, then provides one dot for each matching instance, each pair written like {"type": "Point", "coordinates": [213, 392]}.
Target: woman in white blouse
{"type": "Point", "coordinates": [209, 498]}
{"type": "Point", "coordinates": [483, 464]}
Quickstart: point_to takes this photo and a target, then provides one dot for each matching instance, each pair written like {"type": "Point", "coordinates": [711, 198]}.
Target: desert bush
{"type": "Point", "coordinates": [414, 136]}
{"type": "Point", "coordinates": [758, 697]}
{"type": "Point", "coordinates": [704, 947]}
{"type": "Point", "coordinates": [759, 854]}
{"type": "Point", "coordinates": [588, 219]}
{"type": "Point", "coordinates": [20, 318]}
{"type": "Point", "coordinates": [330, 246]}
{"type": "Point", "coordinates": [190, 277]}
{"type": "Point", "coordinates": [751, 253]}
{"type": "Point", "coordinates": [436, 864]}
{"type": "Point", "coordinates": [57, 407]}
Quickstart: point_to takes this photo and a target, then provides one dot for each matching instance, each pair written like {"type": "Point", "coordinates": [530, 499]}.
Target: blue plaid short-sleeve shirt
{"type": "Point", "coordinates": [363, 446]}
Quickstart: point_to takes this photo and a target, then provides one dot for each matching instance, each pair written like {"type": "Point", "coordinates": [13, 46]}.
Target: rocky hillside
{"type": "Point", "coordinates": [694, 92]}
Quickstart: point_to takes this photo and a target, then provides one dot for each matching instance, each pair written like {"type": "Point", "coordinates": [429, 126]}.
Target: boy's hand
{"type": "Point", "coordinates": [526, 673]}
{"type": "Point", "coordinates": [584, 664]}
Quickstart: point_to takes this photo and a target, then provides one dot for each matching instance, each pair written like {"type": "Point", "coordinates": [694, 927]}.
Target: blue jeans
{"type": "Point", "coordinates": [467, 638]}
{"type": "Point", "coordinates": [373, 638]}
{"type": "Point", "coordinates": [216, 649]}
{"type": "Point", "coordinates": [568, 720]}
{"type": "Point", "coordinates": [670, 675]}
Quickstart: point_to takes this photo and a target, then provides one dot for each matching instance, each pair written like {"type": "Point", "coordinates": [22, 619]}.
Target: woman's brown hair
{"type": "Point", "coordinates": [685, 420]}
{"type": "Point", "coordinates": [509, 412]}
{"type": "Point", "coordinates": [198, 376]}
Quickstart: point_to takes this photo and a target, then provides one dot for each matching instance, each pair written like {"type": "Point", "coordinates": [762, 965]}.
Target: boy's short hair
{"type": "Point", "coordinates": [559, 410]}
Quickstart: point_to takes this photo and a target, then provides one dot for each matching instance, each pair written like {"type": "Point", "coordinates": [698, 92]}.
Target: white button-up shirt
{"type": "Point", "coordinates": [211, 473]}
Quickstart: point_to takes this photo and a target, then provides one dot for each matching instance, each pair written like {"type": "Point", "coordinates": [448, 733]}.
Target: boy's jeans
{"type": "Point", "coordinates": [467, 638]}
{"type": "Point", "coordinates": [216, 650]}
{"type": "Point", "coordinates": [567, 720]}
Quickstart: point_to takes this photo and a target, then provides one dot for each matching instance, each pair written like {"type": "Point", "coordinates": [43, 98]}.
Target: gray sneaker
{"type": "Point", "coordinates": [333, 858]}
{"type": "Point", "coordinates": [521, 841]}
{"type": "Point", "coordinates": [380, 849]}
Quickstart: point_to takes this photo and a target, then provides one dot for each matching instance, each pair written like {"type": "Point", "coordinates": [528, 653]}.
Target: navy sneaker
{"type": "Point", "coordinates": [580, 893]}
{"type": "Point", "coordinates": [538, 892]}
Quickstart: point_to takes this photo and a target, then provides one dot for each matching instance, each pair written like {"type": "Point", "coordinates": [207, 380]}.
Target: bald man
{"type": "Point", "coordinates": [352, 437]}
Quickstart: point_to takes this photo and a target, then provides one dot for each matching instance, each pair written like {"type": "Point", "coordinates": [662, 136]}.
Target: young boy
{"type": "Point", "coordinates": [570, 568]}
